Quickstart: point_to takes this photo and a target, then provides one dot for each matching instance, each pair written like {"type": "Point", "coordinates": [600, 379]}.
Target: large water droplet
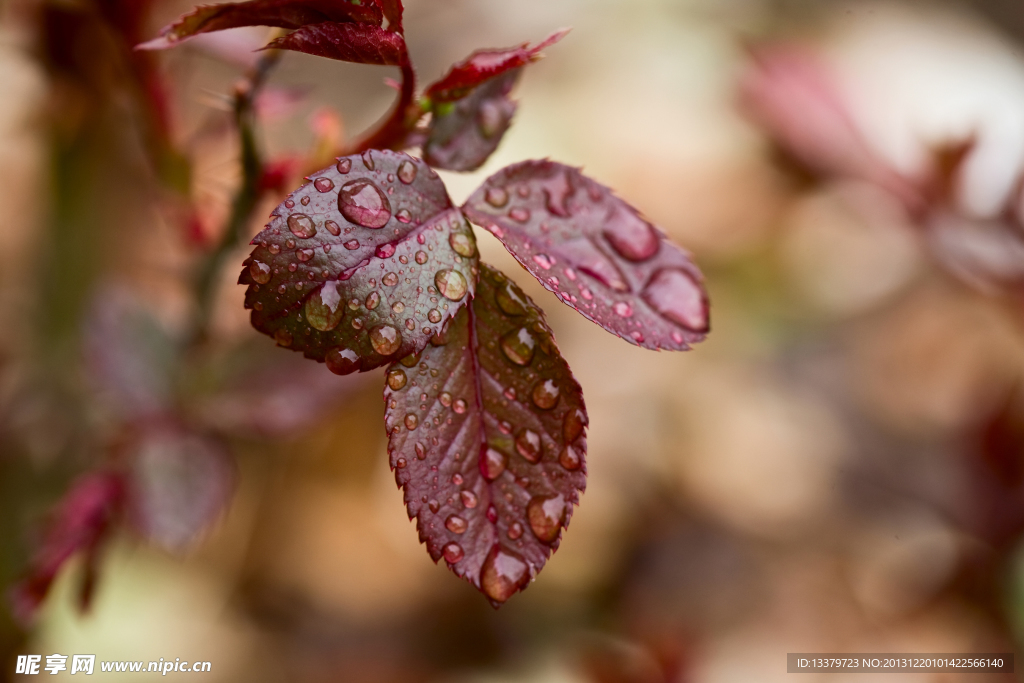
{"type": "Point", "coordinates": [528, 445]}
{"type": "Point", "coordinates": [333, 228]}
{"type": "Point", "coordinates": [545, 394]}
{"type": "Point", "coordinates": [546, 515]}
{"type": "Point", "coordinates": [385, 339]}
{"type": "Point", "coordinates": [301, 225]}
{"type": "Point", "coordinates": [396, 379]}
{"type": "Point", "coordinates": [492, 463]}
{"type": "Point", "coordinates": [518, 346]}
{"type": "Point", "coordinates": [323, 184]}
{"type": "Point", "coordinates": [496, 197]}
{"type": "Point", "coordinates": [363, 203]}
{"type": "Point", "coordinates": [342, 361]}
{"type": "Point", "coordinates": [323, 308]}
{"type": "Point", "coordinates": [510, 300]}
{"type": "Point", "coordinates": [569, 458]}
{"type": "Point", "coordinates": [572, 424]}
{"type": "Point", "coordinates": [453, 552]}
{"type": "Point", "coordinates": [502, 574]}
{"type": "Point", "coordinates": [451, 284]}
{"type": "Point", "coordinates": [469, 499]}
{"type": "Point", "coordinates": [283, 337]}
{"type": "Point", "coordinates": [407, 172]}
{"type": "Point", "coordinates": [462, 243]}
{"type": "Point", "coordinates": [676, 295]}
{"type": "Point", "coordinates": [631, 236]}
{"type": "Point", "coordinates": [456, 524]}
{"type": "Point", "coordinates": [260, 272]}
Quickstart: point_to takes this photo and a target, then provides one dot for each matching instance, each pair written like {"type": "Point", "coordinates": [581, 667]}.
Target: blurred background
{"type": "Point", "coordinates": [838, 468]}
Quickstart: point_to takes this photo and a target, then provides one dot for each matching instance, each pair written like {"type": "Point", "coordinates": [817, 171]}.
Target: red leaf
{"type": "Point", "coordinates": [80, 522]}
{"type": "Point", "coordinates": [362, 265]}
{"type": "Point", "coordinates": [483, 65]}
{"type": "Point", "coordinates": [179, 482]}
{"type": "Point", "coordinates": [392, 10]}
{"type": "Point", "coordinates": [290, 14]}
{"type": "Point", "coordinates": [487, 439]}
{"type": "Point", "coordinates": [595, 253]}
{"type": "Point", "coordinates": [359, 43]}
{"type": "Point", "coordinates": [465, 133]}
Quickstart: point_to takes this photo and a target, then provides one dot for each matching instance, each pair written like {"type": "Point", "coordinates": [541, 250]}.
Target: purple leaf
{"type": "Point", "coordinates": [359, 43]}
{"type": "Point", "coordinates": [80, 522]}
{"type": "Point", "coordinates": [289, 14]}
{"type": "Point", "coordinates": [595, 252]}
{"type": "Point", "coordinates": [362, 265]}
{"type": "Point", "coordinates": [178, 483]}
{"type": "Point", "coordinates": [487, 438]}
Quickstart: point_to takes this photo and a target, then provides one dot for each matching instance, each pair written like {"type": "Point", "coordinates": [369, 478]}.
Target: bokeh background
{"type": "Point", "coordinates": [838, 468]}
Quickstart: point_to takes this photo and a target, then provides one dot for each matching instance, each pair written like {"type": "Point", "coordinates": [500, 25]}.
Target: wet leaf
{"type": "Point", "coordinates": [471, 107]}
{"type": "Point", "coordinates": [178, 483]}
{"type": "Point", "coordinates": [595, 252]}
{"type": "Point", "coordinates": [290, 14]}
{"type": "Point", "coordinates": [359, 43]}
{"type": "Point", "coordinates": [363, 264]}
{"type": "Point", "coordinates": [79, 523]}
{"type": "Point", "coordinates": [487, 438]}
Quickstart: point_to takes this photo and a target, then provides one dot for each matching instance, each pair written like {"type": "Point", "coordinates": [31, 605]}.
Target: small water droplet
{"type": "Point", "coordinates": [421, 452]}
{"type": "Point", "coordinates": [411, 421]}
{"type": "Point", "coordinates": [289, 204]}
{"type": "Point", "coordinates": [304, 255]}
{"type": "Point", "coordinates": [569, 458]}
{"type": "Point", "coordinates": [274, 249]}
{"type": "Point", "coordinates": [396, 379]}
{"type": "Point", "coordinates": [283, 337]}
{"type": "Point", "coordinates": [260, 272]}
{"type": "Point", "coordinates": [492, 514]}
{"type": "Point", "coordinates": [469, 499]}
{"type": "Point", "coordinates": [502, 574]}
{"type": "Point", "coordinates": [459, 406]}
{"type": "Point", "coordinates": [301, 225]}
{"type": "Point", "coordinates": [586, 293]}
{"type": "Point", "coordinates": [496, 197]}
{"type": "Point", "coordinates": [342, 361]}
{"type": "Point", "coordinates": [258, 306]}
{"type": "Point", "coordinates": [519, 214]}
{"type": "Point", "coordinates": [372, 300]}
{"type": "Point", "coordinates": [518, 346]}
{"type": "Point", "coordinates": [352, 244]}
{"type": "Point", "coordinates": [385, 251]}
{"type": "Point", "coordinates": [445, 398]}
{"type": "Point", "coordinates": [676, 296]}
{"type": "Point", "coordinates": [304, 201]}
{"type": "Point", "coordinates": [623, 309]}
{"type": "Point", "coordinates": [451, 284]}
{"type": "Point", "coordinates": [385, 339]}
{"type": "Point", "coordinates": [510, 300]}
{"type": "Point", "coordinates": [389, 279]}
{"type": "Point", "coordinates": [453, 553]}
{"type": "Point", "coordinates": [462, 243]}
{"type": "Point", "coordinates": [515, 530]}
{"type": "Point", "coordinates": [572, 424]}
{"type": "Point", "coordinates": [400, 463]}
{"type": "Point", "coordinates": [528, 445]}
{"type": "Point", "coordinates": [407, 172]}
{"type": "Point", "coordinates": [323, 308]}
{"type": "Point", "coordinates": [638, 336]}
{"type": "Point", "coordinates": [545, 394]}
{"type": "Point", "coordinates": [403, 216]}
{"type": "Point", "coordinates": [421, 257]}
{"type": "Point", "coordinates": [546, 515]}
{"type": "Point", "coordinates": [363, 203]}
{"type": "Point", "coordinates": [434, 505]}
{"type": "Point", "coordinates": [544, 261]}
{"type": "Point", "coordinates": [367, 157]}
{"type": "Point", "coordinates": [357, 323]}
{"type": "Point", "coordinates": [344, 166]}
{"type": "Point", "coordinates": [492, 463]}
{"type": "Point", "coordinates": [332, 228]}
{"type": "Point", "coordinates": [398, 307]}
{"type": "Point", "coordinates": [510, 393]}
{"type": "Point", "coordinates": [323, 184]}
{"type": "Point", "coordinates": [456, 524]}
{"type": "Point", "coordinates": [457, 479]}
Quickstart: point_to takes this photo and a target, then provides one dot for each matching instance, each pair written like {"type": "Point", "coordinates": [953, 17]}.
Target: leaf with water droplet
{"type": "Point", "coordinates": [471, 108]}
{"type": "Point", "coordinates": [595, 252]}
{"type": "Point", "coordinates": [506, 490]}
{"type": "Point", "coordinates": [388, 286]}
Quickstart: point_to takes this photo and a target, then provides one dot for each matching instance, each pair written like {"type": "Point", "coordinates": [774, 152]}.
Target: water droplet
{"type": "Point", "coordinates": [528, 445]}
{"type": "Point", "coordinates": [459, 406]}
{"type": "Point", "coordinates": [492, 463]}
{"type": "Point", "coordinates": [456, 524]}
{"type": "Point", "coordinates": [519, 214]}
{"type": "Point", "coordinates": [545, 394]}
{"type": "Point", "coordinates": [456, 478]}
{"type": "Point", "coordinates": [283, 337]}
{"type": "Point", "coordinates": [453, 553]}
{"type": "Point", "coordinates": [462, 243]}
{"type": "Point", "coordinates": [410, 324]}
{"type": "Point", "coordinates": [289, 204]}
{"type": "Point", "coordinates": [411, 421]}
{"type": "Point", "coordinates": [491, 118]}
{"type": "Point", "coordinates": [623, 309]}
{"type": "Point", "coordinates": [344, 166]}
{"type": "Point", "coordinates": [502, 574]}
{"type": "Point", "coordinates": [363, 203]}
{"type": "Point", "coordinates": [385, 251]}
{"type": "Point", "coordinates": [421, 452]}
{"type": "Point", "coordinates": [301, 225]}
{"type": "Point", "coordinates": [410, 361]}
{"type": "Point", "coordinates": [396, 379]}
{"type": "Point", "coordinates": [304, 201]}
{"type": "Point", "coordinates": [323, 184]}
{"type": "Point", "coordinates": [332, 228]}
{"type": "Point", "coordinates": [510, 393]}
{"type": "Point", "coordinates": [505, 427]}
{"type": "Point", "coordinates": [304, 255]}
{"type": "Point", "coordinates": [544, 261]}
{"type": "Point", "coordinates": [401, 463]}
{"type": "Point", "coordinates": [451, 284]}
{"type": "Point", "coordinates": [518, 346]}
{"type": "Point", "coordinates": [469, 499]}
{"type": "Point", "coordinates": [638, 336]}
{"type": "Point", "coordinates": [492, 514]}
{"type": "Point", "coordinates": [367, 157]}
{"type": "Point", "coordinates": [389, 279]}
{"type": "Point", "coordinates": [445, 398]}
{"type": "Point", "coordinates": [496, 197]}
{"type": "Point", "coordinates": [569, 458]}
{"type": "Point", "coordinates": [631, 236]}
{"type": "Point", "coordinates": [342, 361]}
{"type": "Point", "coordinates": [323, 308]}
{"type": "Point", "coordinates": [586, 293]}
{"type": "Point", "coordinates": [510, 300]}
{"type": "Point", "coordinates": [292, 267]}
{"type": "Point", "coordinates": [398, 307]}
{"type": "Point", "coordinates": [372, 300]}
{"type": "Point", "coordinates": [258, 306]}
{"type": "Point", "coordinates": [407, 172]}
{"type": "Point", "coordinates": [357, 323]}
{"type": "Point", "coordinates": [385, 339]}
{"type": "Point", "coordinates": [403, 216]}
{"type": "Point", "coordinates": [515, 530]}
{"type": "Point", "coordinates": [260, 272]}
{"type": "Point", "coordinates": [352, 244]}
{"type": "Point", "coordinates": [546, 515]}
{"type": "Point", "coordinates": [433, 505]}
{"type": "Point", "coordinates": [676, 296]}
{"type": "Point", "coordinates": [572, 424]}
{"type": "Point", "coordinates": [274, 249]}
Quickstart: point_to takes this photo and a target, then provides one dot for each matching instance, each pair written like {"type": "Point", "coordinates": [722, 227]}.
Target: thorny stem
{"type": "Point", "coordinates": [245, 199]}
